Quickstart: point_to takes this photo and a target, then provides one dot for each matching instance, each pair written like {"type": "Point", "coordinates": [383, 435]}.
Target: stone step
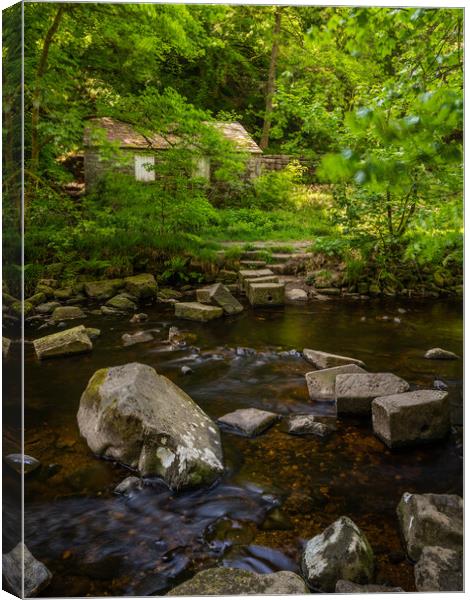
{"type": "Point", "coordinates": [252, 264]}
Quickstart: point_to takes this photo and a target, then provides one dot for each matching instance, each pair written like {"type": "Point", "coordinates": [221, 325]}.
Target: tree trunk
{"type": "Point", "coordinates": [42, 66]}
{"type": "Point", "coordinates": [270, 88]}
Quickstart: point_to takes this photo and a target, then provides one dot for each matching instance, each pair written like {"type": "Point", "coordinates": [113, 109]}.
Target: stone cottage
{"type": "Point", "coordinates": [137, 152]}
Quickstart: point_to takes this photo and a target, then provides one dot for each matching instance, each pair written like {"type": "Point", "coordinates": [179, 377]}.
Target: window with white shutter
{"type": "Point", "coordinates": [144, 170]}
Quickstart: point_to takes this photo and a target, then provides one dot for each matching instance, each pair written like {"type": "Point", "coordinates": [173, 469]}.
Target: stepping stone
{"type": "Point", "coordinates": [321, 384]}
{"type": "Point", "coordinates": [266, 294]}
{"type": "Point", "coordinates": [354, 393]}
{"type": "Point", "coordinates": [430, 520]}
{"type": "Point", "coordinates": [248, 421]}
{"type": "Point", "coordinates": [63, 343]}
{"type": "Point", "coordinates": [308, 425]}
{"type": "Point", "coordinates": [20, 564]}
{"type": "Point", "coordinates": [268, 279]}
{"type": "Point", "coordinates": [412, 417]}
{"type": "Point", "coordinates": [325, 360]}
{"type": "Point", "coordinates": [253, 264]}
{"type": "Point", "coordinates": [253, 274]}
{"type": "Point", "coordinates": [196, 311]}
{"type": "Point", "coordinates": [341, 551]}
{"type": "Point", "coordinates": [348, 587]}
{"type": "Point", "coordinates": [219, 295]}
{"type": "Point", "coordinates": [439, 570]}
{"type": "Point", "coordinates": [440, 354]}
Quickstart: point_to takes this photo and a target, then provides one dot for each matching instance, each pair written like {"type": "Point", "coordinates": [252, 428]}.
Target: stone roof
{"type": "Point", "coordinates": [128, 137]}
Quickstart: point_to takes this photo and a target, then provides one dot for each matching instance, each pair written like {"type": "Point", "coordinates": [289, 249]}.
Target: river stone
{"type": "Point", "coordinates": [250, 280]}
{"type": "Point", "coordinates": [47, 307]}
{"type": "Point", "coordinates": [63, 343]}
{"type": "Point", "coordinates": [321, 384]}
{"type": "Point", "coordinates": [22, 461]}
{"type": "Point", "coordinates": [266, 294]}
{"type": "Point", "coordinates": [348, 587]}
{"type": "Point", "coordinates": [121, 302]}
{"type": "Point", "coordinates": [143, 420]}
{"type": "Point", "coordinates": [439, 570]}
{"type": "Point", "coordinates": [325, 360]}
{"type": "Point", "coordinates": [296, 295]}
{"type": "Point", "coordinates": [63, 293]}
{"type": "Point", "coordinates": [37, 298]}
{"type": "Point", "coordinates": [36, 575]}
{"type": "Point", "coordinates": [143, 286]}
{"type": "Point", "coordinates": [6, 343]}
{"type": "Point", "coordinates": [342, 551]}
{"type": "Point", "coordinates": [248, 421]}
{"type": "Point", "coordinates": [103, 290]}
{"type": "Point", "coordinates": [196, 311]}
{"type": "Point", "coordinates": [19, 308]}
{"type": "Point", "coordinates": [129, 339]}
{"type": "Point", "coordinates": [411, 417]}
{"type": "Point", "coordinates": [225, 581]}
{"type": "Point", "coordinates": [66, 313]}
{"type": "Point", "coordinates": [46, 290]}
{"type": "Point", "coordinates": [355, 392]}
{"type": "Point", "coordinates": [219, 295]}
{"type": "Point", "coordinates": [138, 318]}
{"type": "Point", "coordinates": [52, 283]}
{"type": "Point", "coordinates": [430, 520]}
{"type": "Point", "coordinates": [93, 332]}
{"type": "Point", "coordinates": [308, 425]}
{"type": "Point", "coordinates": [440, 354]}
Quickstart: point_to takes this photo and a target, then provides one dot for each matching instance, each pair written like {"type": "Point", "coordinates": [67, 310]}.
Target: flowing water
{"type": "Point", "coordinates": [278, 490]}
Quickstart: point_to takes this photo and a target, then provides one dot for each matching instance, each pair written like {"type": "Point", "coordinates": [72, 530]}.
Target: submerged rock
{"type": "Point", "coordinates": [355, 392]}
{"type": "Point", "coordinates": [36, 575]}
{"type": "Point", "coordinates": [342, 551]}
{"type": "Point", "coordinates": [66, 313]}
{"type": "Point", "coordinates": [412, 417]}
{"type": "Point", "coordinates": [430, 520]}
{"type": "Point", "coordinates": [348, 587]}
{"type": "Point", "coordinates": [22, 461]}
{"type": "Point", "coordinates": [63, 343]}
{"type": "Point", "coordinates": [308, 425]}
{"type": "Point", "coordinates": [439, 570]}
{"type": "Point", "coordinates": [219, 295]}
{"type": "Point", "coordinates": [248, 421]}
{"type": "Point", "coordinates": [129, 339]}
{"type": "Point", "coordinates": [325, 360]}
{"type": "Point", "coordinates": [225, 581]}
{"type": "Point", "coordinates": [440, 354]}
{"type": "Point", "coordinates": [196, 311]}
{"type": "Point", "coordinates": [141, 419]}
{"type": "Point", "coordinates": [321, 383]}
{"type": "Point", "coordinates": [128, 485]}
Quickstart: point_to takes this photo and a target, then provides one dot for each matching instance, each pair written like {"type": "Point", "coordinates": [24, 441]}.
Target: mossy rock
{"type": "Point", "coordinates": [37, 298]}
{"type": "Point", "coordinates": [63, 293]}
{"type": "Point", "coordinates": [45, 289]}
{"type": "Point", "coordinates": [17, 308]}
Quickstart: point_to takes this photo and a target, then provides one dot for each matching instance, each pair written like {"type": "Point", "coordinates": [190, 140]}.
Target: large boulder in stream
{"type": "Point", "coordinates": [20, 562]}
{"type": "Point", "coordinates": [219, 295]}
{"type": "Point", "coordinates": [430, 520]}
{"type": "Point", "coordinates": [225, 581]}
{"type": "Point", "coordinates": [133, 415]}
{"type": "Point", "coordinates": [63, 343]}
{"type": "Point", "coordinates": [439, 570]}
{"type": "Point", "coordinates": [342, 551]}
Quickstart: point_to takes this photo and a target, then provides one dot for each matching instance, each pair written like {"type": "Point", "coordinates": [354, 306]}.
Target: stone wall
{"type": "Point", "coordinates": [277, 162]}
{"type": "Point", "coordinates": [96, 167]}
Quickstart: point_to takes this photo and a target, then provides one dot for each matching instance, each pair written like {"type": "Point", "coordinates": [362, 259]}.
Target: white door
{"type": "Point", "coordinates": [144, 170]}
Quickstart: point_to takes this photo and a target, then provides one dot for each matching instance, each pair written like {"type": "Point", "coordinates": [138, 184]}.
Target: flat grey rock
{"type": "Point", "coordinates": [296, 295]}
{"type": "Point", "coordinates": [225, 581]}
{"type": "Point", "coordinates": [430, 520]}
{"type": "Point", "coordinates": [308, 425]}
{"type": "Point", "coordinates": [36, 575]}
{"type": "Point", "coordinates": [248, 421]}
{"type": "Point", "coordinates": [348, 587]}
{"type": "Point", "coordinates": [219, 295]}
{"type": "Point", "coordinates": [355, 392]}
{"type": "Point", "coordinates": [411, 417]}
{"type": "Point", "coordinates": [326, 360]}
{"type": "Point", "coordinates": [196, 311]}
{"type": "Point", "coordinates": [67, 313]}
{"type": "Point", "coordinates": [63, 343]}
{"type": "Point", "coordinates": [321, 383]}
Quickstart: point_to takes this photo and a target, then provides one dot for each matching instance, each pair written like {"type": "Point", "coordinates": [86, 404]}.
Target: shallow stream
{"type": "Point", "coordinates": [278, 490]}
